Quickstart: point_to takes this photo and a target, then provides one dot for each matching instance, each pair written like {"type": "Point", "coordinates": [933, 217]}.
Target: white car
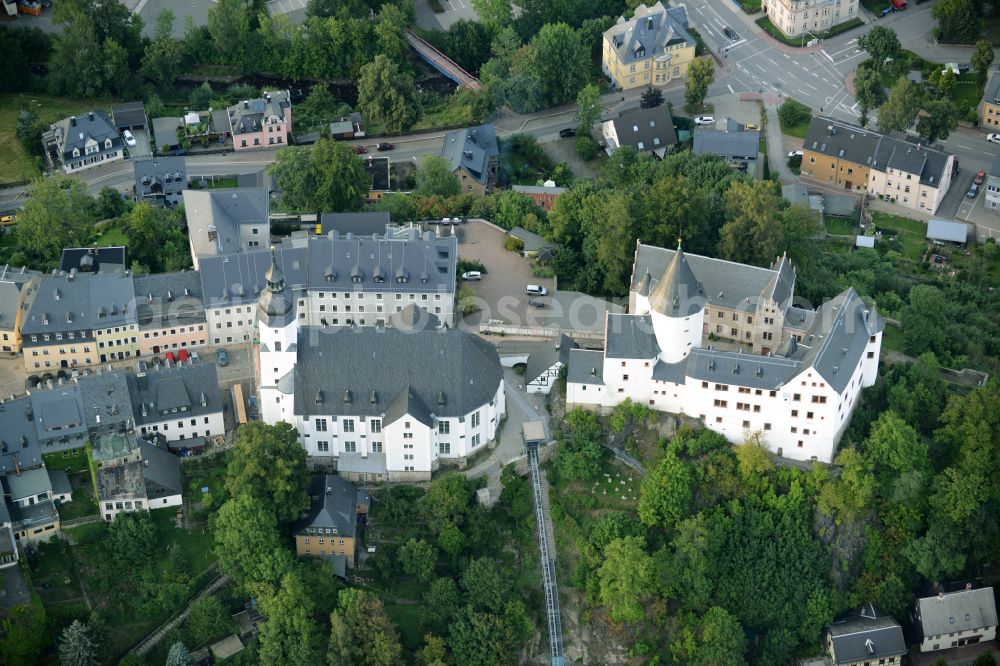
{"type": "Point", "coordinates": [472, 275]}
{"type": "Point", "coordinates": [993, 138]}
{"type": "Point", "coordinates": [795, 153]}
{"type": "Point", "coordinates": [536, 290]}
{"type": "Point", "coordinates": [704, 120]}
{"type": "Point", "coordinates": [129, 139]}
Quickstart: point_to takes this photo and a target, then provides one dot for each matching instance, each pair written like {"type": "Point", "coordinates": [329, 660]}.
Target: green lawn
{"type": "Point", "coordinates": [840, 226]}
{"type": "Point", "coordinates": [113, 236]}
{"type": "Point", "coordinates": [875, 6]}
{"type": "Point", "coordinates": [195, 544]}
{"type": "Point", "coordinates": [966, 93]}
{"type": "Point", "coordinates": [83, 503]}
{"type": "Point", "coordinates": [749, 6]}
{"type": "Point", "coordinates": [218, 183]}
{"type": "Point", "coordinates": [72, 461]}
{"type": "Point", "coordinates": [911, 233]}
{"type": "Point", "coordinates": [17, 164]}
{"type": "Point", "coordinates": [768, 27]}
{"type": "Point", "coordinates": [206, 472]}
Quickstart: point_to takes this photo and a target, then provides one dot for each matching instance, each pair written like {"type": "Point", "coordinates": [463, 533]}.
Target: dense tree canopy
{"type": "Point", "coordinates": [269, 464]}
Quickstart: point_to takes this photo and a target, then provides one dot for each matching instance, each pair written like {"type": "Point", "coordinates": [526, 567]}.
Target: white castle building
{"type": "Point", "coordinates": [386, 403]}
{"type": "Point", "coordinates": [722, 342]}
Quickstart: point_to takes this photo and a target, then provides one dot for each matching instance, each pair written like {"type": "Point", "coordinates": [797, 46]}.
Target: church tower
{"type": "Point", "coordinates": [677, 307]}
{"type": "Point", "coordinates": [278, 332]}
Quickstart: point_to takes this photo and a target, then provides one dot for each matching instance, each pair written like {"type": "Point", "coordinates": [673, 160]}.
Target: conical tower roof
{"type": "Point", "coordinates": [677, 294]}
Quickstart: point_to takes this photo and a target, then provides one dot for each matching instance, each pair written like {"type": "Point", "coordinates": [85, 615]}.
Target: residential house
{"type": "Point", "coordinates": [80, 142]}
{"type": "Point", "coordinates": [787, 375]}
{"type": "Point", "coordinates": [380, 403]}
{"type": "Point", "coordinates": [544, 195]}
{"type": "Point", "coordinates": [129, 116]}
{"type": "Point", "coordinates": [330, 528]}
{"type": "Point", "coordinates": [160, 181]}
{"type": "Point", "coordinates": [347, 127]}
{"type": "Point", "coordinates": [15, 287]}
{"type": "Point", "coordinates": [992, 200]}
{"type": "Point", "coordinates": [150, 478]}
{"type": "Point", "coordinates": [989, 108]}
{"type": "Point", "coordinates": [337, 280]}
{"type": "Point", "coordinates": [94, 259]}
{"type": "Point", "coordinates": [79, 319]}
{"type": "Point", "coordinates": [865, 637]}
{"type": "Point", "coordinates": [739, 148]}
{"type": "Point", "coordinates": [532, 245]}
{"type": "Point", "coordinates": [654, 47]}
{"type": "Point", "coordinates": [474, 157]}
{"type": "Point", "coordinates": [170, 312]}
{"type": "Point", "coordinates": [545, 363]}
{"type": "Point", "coordinates": [646, 130]}
{"type": "Point", "coordinates": [226, 221]}
{"type": "Point", "coordinates": [954, 619]}
{"type": "Point", "coordinates": [32, 497]}
{"type": "Point", "coordinates": [265, 121]}
{"type": "Point", "coordinates": [902, 171]}
{"type": "Point", "coordinates": [802, 17]}
{"type": "Point", "coordinates": [181, 402]}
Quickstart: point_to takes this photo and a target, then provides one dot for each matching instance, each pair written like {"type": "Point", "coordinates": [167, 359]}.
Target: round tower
{"type": "Point", "coordinates": [277, 326]}
{"type": "Point", "coordinates": [677, 308]}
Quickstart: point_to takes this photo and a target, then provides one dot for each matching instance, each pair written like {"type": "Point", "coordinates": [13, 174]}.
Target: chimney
{"type": "Point", "coordinates": [91, 115]}
{"type": "Point", "coordinates": [72, 121]}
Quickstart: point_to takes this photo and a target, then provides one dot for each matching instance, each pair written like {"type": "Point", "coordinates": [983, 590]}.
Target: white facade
{"type": "Point", "coordinates": [368, 308]}
{"type": "Point", "coordinates": [906, 189]}
{"type": "Point", "coordinates": [181, 427]}
{"type": "Point", "coordinates": [111, 508]}
{"type": "Point", "coordinates": [797, 401]}
{"type": "Point", "coordinates": [231, 324]}
{"type": "Point", "coordinates": [92, 158]}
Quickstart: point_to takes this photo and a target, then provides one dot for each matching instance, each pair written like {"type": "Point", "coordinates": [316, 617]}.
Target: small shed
{"type": "Point", "coordinates": [227, 647]}
{"type": "Point", "coordinates": [130, 116]}
{"type": "Point", "coordinates": [945, 231]}
{"type": "Point", "coordinates": [864, 241]}
{"type": "Point", "coordinates": [840, 205]}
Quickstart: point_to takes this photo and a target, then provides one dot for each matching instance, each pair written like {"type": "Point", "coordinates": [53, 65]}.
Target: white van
{"type": "Point", "coordinates": [536, 290]}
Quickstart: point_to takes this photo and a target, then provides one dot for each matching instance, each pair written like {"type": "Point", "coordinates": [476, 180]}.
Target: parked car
{"type": "Point", "coordinates": [980, 177]}
{"type": "Point", "coordinates": [223, 357]}
{"type": "Point", "coordinates": [567, 133]}
{"type": "Point", "coordinates": [993, 138]}
{"type": "Point", "coordinates": [536, 290]}
{"type": "Point", "coordinates": [472, 275]}
{"type": "Point", "coordinates": [973, 191]}
{"type": "Point", "coordinates": [385, 145]}
{"type": "Point", "coordinates": [361, 150]}
{"type": "Point", "coordinates": [704, 120]}
{"type": "Point", "coordinates": [795, 153]}
{"type": "Point", "coordinates": [751, 126]}
{"type": "Point", "coordinates": [129, 139]}
{"type": "Point", "coordinates": [536, 303]}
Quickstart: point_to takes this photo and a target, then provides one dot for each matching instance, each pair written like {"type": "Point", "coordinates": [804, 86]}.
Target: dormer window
{"type": "Point", "coordinates": [107, 144]}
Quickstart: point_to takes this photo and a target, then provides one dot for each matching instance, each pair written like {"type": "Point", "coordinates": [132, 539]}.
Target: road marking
{"type": "Point", "coordinates": [731, 91]}
{"type": "Point", "coordinates": [828, 56]}
{"type": "Point", "coordinates": [773, 62]}
{"type": "Point", "coordinates": [809, 85]}
{"type": "Point", "coordinates": [760, 68]}
{"type": "Point", "coordinates": [966, 147]}
{"type": "Point", "coordinates": [786, 55]}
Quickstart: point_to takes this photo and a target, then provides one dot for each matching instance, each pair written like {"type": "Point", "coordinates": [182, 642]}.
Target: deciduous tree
{"type": "Point", "coordinates": [982, 58]}
{"type": "Point", "coordinates": [666, 492]}
{"type": "Point", "coordinates": [881, 43]}
{"type": "Point", "coordinates": [651, 97]}
{"type": "Point", "coordinates": [57, 214]}
{"type": "Point", "coordinates": [625, 579]}
{"type": "Point", "coordinates": [700, 75]}
{"type": "Point", "coordinates": [289, 636]}
{"type": "Point", "coordinates": [447, 500]}
{"type": "Point", "coordinates": [869, 92]}
{"type": "Point", "coordinates": [387, 95]}
{"type": "Point", "coordinates": [417, 558]}
{"type": "Point", "coordinates": [435, 177]}
{"type": "Point", "coordinates": [248, 545]}
{"type": "Point", "coordinates": [558, 62]}
{"type": "Point", "coordinates": [900, 107]}
{"type": "Point", "coordinates": [958, 20]}
{"type": "Point", "coordinates": [269, 464]}
{"type": "Point", "coordinates": [589, 112]}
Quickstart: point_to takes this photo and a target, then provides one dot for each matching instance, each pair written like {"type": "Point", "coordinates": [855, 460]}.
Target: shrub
{"type": "Point", "coordinates": [794, 113]}
{"type": "Point", "coordinates": [586, 147]}
{"type": "Point", "coordinates": [513, 244]}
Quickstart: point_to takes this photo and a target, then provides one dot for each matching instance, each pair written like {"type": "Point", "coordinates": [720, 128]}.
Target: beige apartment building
{"type": "Point", "coordinates": [170, 312]}
{"type": "Point", "coordinates": [654, 47]}
{"type": "Point", "coordinates": [800, 17]}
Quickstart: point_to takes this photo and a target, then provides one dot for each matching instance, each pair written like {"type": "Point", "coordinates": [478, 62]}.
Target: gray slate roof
{"type": "Point", "coordinates": [358, 224]}
{"type": "Point", "coordinates": [943, 230]}
{"type": "Point", "coordinates": [992, 93]}
{"type": "Point", "coordinates": [334, 506]}
{"type": "Point", "coordinates": [58, 411]}
{"type": "Point", "coordinates": [631, 336]}
{"type": "Point", "coordinates": [28, 483]}
{"type": "Point", "coordinates": [364, 371]}
{"type": "Point", "coordinates": [164, 299]}
{"type": "Point", "coordinates": [165, 132]}
{"type": "Point", "coordinates": [59, 480]}
{"type": "Point", "coordinates": [160, 175]}
{"type": "Point", "coordinates": [106, 403]}
{"type": "Point", "coordinates": [75, 131]}
{"type": "Point", "coordinates": [109, 258]}
{"type": "Point", "coordinates": [129, 114]}
{"type": "Point", "coordinates": [546, 355]}
{"type": "Point", "coordinates": [161, 471]}
{"type": "Point", "coordinates": [539, 189]}
{"type": "Point", "coordinates": [226, 210]}
{"type": "Point", "coordinates": [677, 293]}
{"type": "Point", "coordinates": [18, 437]}
{"type": "Point", "coordinates": [86, 301]}
{"type": "Point", "coordinates": [730, 145]}
{"type": "Point", "coordinates": [184, 385]}
{"type": "Point", "coordinates": [725, 283]}
{"type": "Point", "coordinates": [645, 129]}
{"type": "Point", "coordinates": [471, 148]}
{"type": "Point", "coordinates": [12, 283]}
{"type": "Point", "coordinates": [957, 611]}
{"type": "Point", "coordinates": [866, 635]}
{"type": "Point", "coordinates": [532, 241]}
{"type": "Point", "coordinates": [586, 366]}
{"type": "Point", "coordinates": [651, 30]}
{"type": "Point", "coordinates": [248, 116]}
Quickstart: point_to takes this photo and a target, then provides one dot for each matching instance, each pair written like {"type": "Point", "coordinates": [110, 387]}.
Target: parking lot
{"type": "Point", "coordinates": [500, 293]}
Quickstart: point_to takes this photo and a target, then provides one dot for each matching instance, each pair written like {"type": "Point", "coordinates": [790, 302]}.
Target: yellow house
{"type": "Point", "coordinates": [654, 47]}
{"type": "Point", "coordinates": [15, 288]}
{"type": "Point", "coordinates": [331, 527]}
{"type": "Point", "coordinates": [989, 110]}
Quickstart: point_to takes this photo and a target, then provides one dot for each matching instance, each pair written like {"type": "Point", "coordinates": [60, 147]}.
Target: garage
{"type": "Point", "coordinates": [131, 116]}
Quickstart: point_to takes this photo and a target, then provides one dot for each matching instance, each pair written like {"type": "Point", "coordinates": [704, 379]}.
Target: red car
{"type": "Point", "coordinates": [361, 150]}
{"type": "Point", "coordinates": [980, 177]}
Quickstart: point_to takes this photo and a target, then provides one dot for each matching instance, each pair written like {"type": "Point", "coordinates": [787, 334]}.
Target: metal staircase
{"type": "Point", "coordinates": [547, 547]}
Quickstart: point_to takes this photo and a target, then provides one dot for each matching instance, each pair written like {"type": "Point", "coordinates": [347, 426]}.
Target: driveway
{"type": "Point", "coordinates": [141, 148]}
{"type": "Point", "coordinates": [500, 294]}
